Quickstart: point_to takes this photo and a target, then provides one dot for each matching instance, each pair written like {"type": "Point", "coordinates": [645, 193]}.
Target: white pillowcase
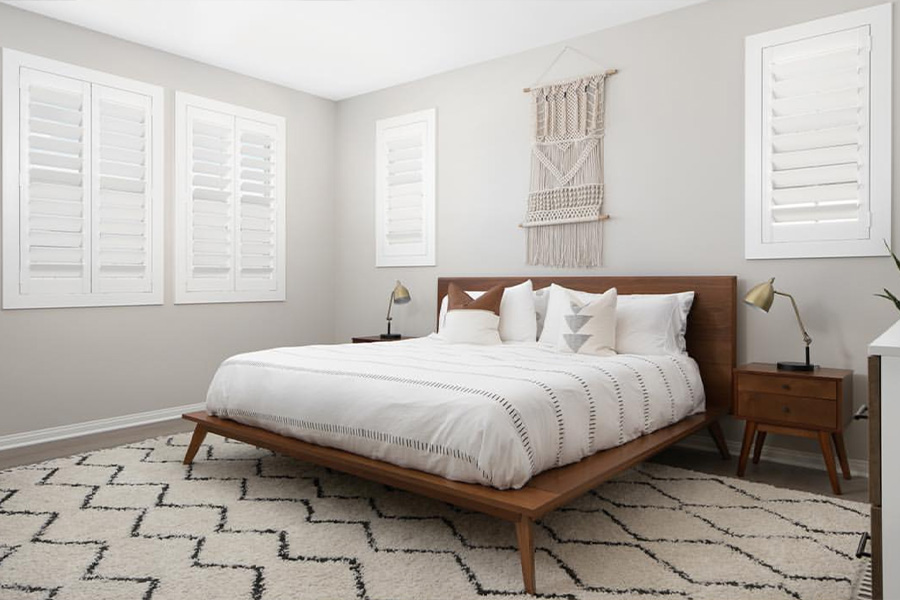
{"type": "Point", "coordinates": [471, 326]}
{"type": "Point", "coordinates": [517, 318]}
{"type": "Point", "coordinates": [655, 322]}
{"type": "Point", "coordinates": [587, 327]}
{"type": "Point", "coordinates": [541, 298]}
{"type": "Point", "coordinates": [652, 324]}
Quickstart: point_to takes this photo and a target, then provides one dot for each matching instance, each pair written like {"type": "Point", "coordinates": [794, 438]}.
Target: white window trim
{"type": "Point", "coordinates": [879, 19]}
{"type": "Point", "coordinates": [13, 61]}
{"type": "Point", "coordinates": [182, 295]}
{"type": "Point", "coordinates": [429, 184]}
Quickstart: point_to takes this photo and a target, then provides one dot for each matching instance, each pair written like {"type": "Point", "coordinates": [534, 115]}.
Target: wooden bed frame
{"type": "Point", "coordinates": [711, 341]}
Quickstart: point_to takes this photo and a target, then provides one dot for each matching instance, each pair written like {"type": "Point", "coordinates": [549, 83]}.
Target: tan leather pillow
{"type": "Point", "coordinates": [490, 300]}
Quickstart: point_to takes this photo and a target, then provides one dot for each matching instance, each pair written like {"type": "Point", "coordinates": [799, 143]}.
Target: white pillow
{"type": "Point", "coordinates": [671, 309]}
{"type": "Point", "coordinates": [517, 318]}
{"type": "Point", "coordinates": [555, 308]}
{"type": "Point", "coordinates": [645, 323]}
{"type": "Point", "coordinates": [541, 297]}
{"type": "Point", "coordinates": [471, 326]}
{"type": "Point", "coordinates": [588, 327]}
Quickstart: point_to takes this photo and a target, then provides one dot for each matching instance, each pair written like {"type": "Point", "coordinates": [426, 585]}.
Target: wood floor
{"type": "Point", "coordinates": [786, 476]}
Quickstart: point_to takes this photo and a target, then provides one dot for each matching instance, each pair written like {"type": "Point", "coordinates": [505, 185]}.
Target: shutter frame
{"type": "Point", "coordinates": [820, 220]}
{"type": "Point", "coordinates": [239, 289]}
{"type": "Point", "coordinates": [405, 153]}
{"type": "Point", "coordinates": [14, 63]}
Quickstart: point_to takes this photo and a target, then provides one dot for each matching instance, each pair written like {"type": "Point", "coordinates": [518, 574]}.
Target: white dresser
{"type": "Point", "coordinates": [884, 470]}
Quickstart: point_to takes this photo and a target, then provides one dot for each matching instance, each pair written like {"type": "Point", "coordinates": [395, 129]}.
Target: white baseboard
{"type": "Point", "coordinates": [53, 434]}
{"type": "Point", "coordinates": [796, 458]}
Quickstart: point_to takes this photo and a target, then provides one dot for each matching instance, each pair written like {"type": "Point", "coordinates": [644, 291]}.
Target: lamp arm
{"type": "Point", "coordinates": [390, 306]}
{"type": "Point", "coordinates": [806, 339]}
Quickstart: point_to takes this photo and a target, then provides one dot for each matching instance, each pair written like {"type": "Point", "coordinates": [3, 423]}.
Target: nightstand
{"type": "Point", "coordinates": [814, 404]}
{"type": "Point", "coordinates": [368, 339]}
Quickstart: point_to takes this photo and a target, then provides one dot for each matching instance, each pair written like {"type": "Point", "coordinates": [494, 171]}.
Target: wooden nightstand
{"type": "Point", "coordinates": [814, 404]}
{"type": "Point", "coordinates": [368, 339]}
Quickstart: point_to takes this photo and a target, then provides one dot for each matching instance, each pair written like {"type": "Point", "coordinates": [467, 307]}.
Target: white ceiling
{"type": "Point", "coordinates": [340, 49]}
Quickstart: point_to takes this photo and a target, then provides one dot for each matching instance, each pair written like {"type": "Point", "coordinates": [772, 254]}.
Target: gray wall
{"type": "Point", "coordinates": [674, 185]}
{"type": "Point", "coordinates": [63, 366]}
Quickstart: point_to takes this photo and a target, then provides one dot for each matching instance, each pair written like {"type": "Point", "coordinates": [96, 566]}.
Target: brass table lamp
{"type": "Point", "coordinates": [400, 295]}
{"type": "Point", "coordinates": [761, 296]}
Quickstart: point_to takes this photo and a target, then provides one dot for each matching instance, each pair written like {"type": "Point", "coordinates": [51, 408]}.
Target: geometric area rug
{"type": "Point", "coordinates": [133, 523]}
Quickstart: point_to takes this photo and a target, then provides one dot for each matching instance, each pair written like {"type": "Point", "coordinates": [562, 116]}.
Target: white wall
{"type": "Point", "coordinates": [674, 186]}
{"type": "Point", "coordinates": [64, 366]}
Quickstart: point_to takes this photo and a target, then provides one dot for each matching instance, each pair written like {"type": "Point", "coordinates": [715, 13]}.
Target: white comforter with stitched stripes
{"type": "Point", "coordinates": [494, 415]}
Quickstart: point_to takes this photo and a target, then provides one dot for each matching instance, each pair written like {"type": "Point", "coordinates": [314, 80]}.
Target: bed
{"type": "Point", "coordinates": [513, 460]}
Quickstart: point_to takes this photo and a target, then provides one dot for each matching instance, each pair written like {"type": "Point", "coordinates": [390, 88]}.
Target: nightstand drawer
{"type": "Point", "coordinates": [787, 386]}
{"type": "Point", "coordinates": [793, 410]}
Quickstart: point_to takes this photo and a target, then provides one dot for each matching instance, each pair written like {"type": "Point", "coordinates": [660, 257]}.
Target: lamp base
{"type": "Point", "coordinates": [391, 336]}
{"type": "Point", "coordinates": [795, 366]}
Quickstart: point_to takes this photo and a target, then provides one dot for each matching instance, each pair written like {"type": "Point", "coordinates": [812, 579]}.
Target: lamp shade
{"type": "Point", "coordinates": [761, 295]}
{"type": "Point", "coordinates": [401, 294]}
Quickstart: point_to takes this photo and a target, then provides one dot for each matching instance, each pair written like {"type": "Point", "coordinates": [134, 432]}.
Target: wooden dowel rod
{"type": "Point", "coordinates": [608, 72]}
{"type": "Point", "coordinates": [600, 218]}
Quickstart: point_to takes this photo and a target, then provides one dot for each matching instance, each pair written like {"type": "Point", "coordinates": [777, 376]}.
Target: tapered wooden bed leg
{"type": "Point", "coordinates": [196, 440]}
{"type": "Point", "coordinates": [715, 430]}
{"type": "Point", "coordinates": [525, 535]}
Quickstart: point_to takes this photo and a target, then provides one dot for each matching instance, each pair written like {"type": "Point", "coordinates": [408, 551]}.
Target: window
{"type": "Point", "coordinates": [818, 136]}
{"type": "Point", "coordinates": [82, 186]}
{"type": "Point", "coordinates": [230, 186]}
{"type": "Point", "coordinates": [405, 190]}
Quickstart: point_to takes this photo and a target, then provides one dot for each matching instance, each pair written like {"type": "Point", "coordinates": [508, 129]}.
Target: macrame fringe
{"type": "Point", "coordinates": [572, 245]}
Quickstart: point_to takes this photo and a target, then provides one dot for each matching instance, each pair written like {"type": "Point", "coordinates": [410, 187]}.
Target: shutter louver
{"type": "Point", "coordinates": [121, 190]}
{"type": "Point", "coordinates": [54, 164]}
{"type": "Point", "coordinates": [210, 206]}
{"type": "Point", "coordinates": [257, 208]}
{"type": "Point", "coordinates": [816, 138]}
{"type": "Point", "coordinates": [405, 192]}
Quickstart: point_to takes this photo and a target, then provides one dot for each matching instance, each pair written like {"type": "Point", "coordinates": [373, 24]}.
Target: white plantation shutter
{"type": "Point", "coordinates": [121, 190]}
{"type": "Point", "coordinates": [209, 209]}
{"type": "Point", "coordinates": [405, 190]}
{"type": "Point", "coordinates": [54, 221]}
{"type": "Point", "coordinates": [816, 154]}
{"type": "Point", "coordinates": [816, 137]}
{"type": "Point", "coordinates": [257, 209]}
{"type": "Point", "coordinates": [230, 219]}
{"type": "Point", "coordinates": [82, 181]}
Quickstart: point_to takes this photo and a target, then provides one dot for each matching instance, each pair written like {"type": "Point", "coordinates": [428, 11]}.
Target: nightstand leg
{"type": "Point", "coordinates": [715, 430]}
{"type": "Point", "coordinates": [749, 432]}
{"type": "Point", "coordinates": [828, 455]}
{"type": "Point", "coordinates": [757, 450]}
{"type": "Point", "coordinates": [842, 453]}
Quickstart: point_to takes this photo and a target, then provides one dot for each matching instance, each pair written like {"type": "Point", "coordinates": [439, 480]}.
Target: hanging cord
{"type": "Point", "coordinates": [559, 55]}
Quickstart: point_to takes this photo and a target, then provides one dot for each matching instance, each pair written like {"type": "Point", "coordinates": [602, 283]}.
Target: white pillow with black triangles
{"type": "Point", "coordinates": [587, 327]}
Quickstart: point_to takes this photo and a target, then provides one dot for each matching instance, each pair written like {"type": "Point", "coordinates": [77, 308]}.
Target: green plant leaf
{"type": "Point", "coordinates": [896, 260]}
{"type": "Point", "coordinates": [889, 296]}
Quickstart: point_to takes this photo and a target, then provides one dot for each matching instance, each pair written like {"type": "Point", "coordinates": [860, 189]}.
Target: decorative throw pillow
{"type": "Point", "coordinates": [517, 313]}
{"type": "Point", "coordinates": [471, 326]}
{"type": "Point", "coordinates": [490, 300]}
{"type": "Point", "coordinates": [588, 327]}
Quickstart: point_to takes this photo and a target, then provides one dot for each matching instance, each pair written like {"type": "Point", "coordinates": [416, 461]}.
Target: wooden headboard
{"type": "Point", "coordinates": [712, 323]}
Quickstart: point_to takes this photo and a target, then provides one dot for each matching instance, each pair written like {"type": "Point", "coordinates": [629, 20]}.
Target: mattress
{"type": "Point", "coordinates": [492, 415]}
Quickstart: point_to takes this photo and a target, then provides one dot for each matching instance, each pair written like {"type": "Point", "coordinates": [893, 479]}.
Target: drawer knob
{"type": "Point", "coordinates": [786, 409]}
{"type": "Point", "coordinates": [785, 386]}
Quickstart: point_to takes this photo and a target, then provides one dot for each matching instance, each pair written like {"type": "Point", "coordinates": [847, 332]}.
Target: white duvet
{"type": "Point", "coordinates": [493, 415]}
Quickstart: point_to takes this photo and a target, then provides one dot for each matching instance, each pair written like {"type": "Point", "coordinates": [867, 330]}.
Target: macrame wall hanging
{"type": "Point", "coordinates": [564, 222]}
